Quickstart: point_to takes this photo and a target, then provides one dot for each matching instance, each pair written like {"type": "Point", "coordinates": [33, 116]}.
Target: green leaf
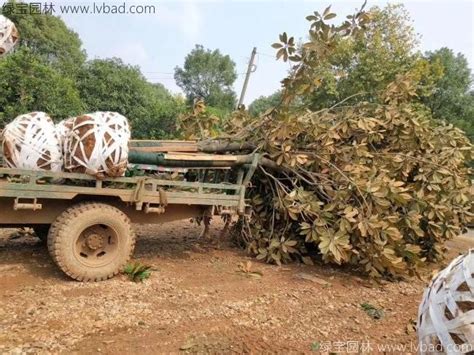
{"type": "Point", "coordinates": [329, 16]}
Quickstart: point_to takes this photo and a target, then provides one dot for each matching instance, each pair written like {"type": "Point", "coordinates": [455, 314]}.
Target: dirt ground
{"type": "Point", "coordinates": [196, 301]}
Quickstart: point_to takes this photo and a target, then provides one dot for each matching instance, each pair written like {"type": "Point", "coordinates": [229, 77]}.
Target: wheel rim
{"type": "Point", "coordinates": [97, 245]}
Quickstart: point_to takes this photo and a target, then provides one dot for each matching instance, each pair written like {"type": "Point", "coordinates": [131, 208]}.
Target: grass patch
{"type": "Point", "coordinates": [137, 272]}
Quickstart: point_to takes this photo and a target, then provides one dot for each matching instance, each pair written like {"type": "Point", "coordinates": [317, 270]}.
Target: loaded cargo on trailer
{"type": "Point", "coordinates": [87, 222]}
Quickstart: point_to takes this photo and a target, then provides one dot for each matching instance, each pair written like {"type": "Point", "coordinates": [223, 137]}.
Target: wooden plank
{"type": "Point", "coordinates": [199, 157]}
{"type": "Point", "coordinates": [158, 142]}
{"type": "Point", "coordinates": [167, 148]}
{"type": "Point", "coordinates": [158, 146]}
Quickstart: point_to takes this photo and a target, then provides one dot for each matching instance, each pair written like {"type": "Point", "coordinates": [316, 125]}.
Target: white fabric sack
{"type": "Point", "coordinates": [98, 144]}
{"type": "Point", "coordinates": [8, 35]}
{"type": "Point", "coordinates": [30, 142]}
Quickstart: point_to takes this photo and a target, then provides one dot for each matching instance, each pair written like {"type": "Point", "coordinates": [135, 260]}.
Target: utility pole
{"type": "Point", "coordinates": [251, 68]}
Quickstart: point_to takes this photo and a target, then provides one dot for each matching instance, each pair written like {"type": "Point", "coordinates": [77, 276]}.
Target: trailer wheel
{"type": "Point", "coordinates": [91, 241]}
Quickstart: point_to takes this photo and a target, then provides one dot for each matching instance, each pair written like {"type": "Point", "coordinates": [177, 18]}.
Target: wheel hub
{"type": "Point", "coordinates": [95, 241]}
{"type": "Point", "coordinates": [97, 245]}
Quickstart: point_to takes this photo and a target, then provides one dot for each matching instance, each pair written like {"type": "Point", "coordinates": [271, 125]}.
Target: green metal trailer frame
{"type": "Point", "coordinates": [40, 199]}
{"type": "Point", "coordinates": [35, 197]}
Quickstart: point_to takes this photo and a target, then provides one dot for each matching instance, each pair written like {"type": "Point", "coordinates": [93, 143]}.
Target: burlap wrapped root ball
{"type": "Point", "coordinates": [446, 315]}
{"type": "Point", "coordinates": [30, 142]}
{"type": "Point", "coordinates": [8, 35]}
{"type": "Point", "coordinates": [98, 145]}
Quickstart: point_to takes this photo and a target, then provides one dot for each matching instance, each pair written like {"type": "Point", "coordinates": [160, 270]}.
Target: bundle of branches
{"type": "Point", "coordinates": [378, 185]}
{"type": "Point", "coordinates": [374, 185]}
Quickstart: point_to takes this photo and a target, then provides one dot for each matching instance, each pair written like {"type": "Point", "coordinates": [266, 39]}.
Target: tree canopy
{"type": "Point", "coordinates": [263, 103]}
{"type": "Point", "coordinates": [28, 84]}
{"type": "Point", "coordinates": [49, 37]}
{"type": "Point", "coordinates": [453, 97]}
{"type": "Point", "coordinates": [111, 85]}
{"type": "Point", "coordinates": [364, 65]}
{"type": "Point", "coordinates": [208, 75]}
{"type": "Point", "coordinates": [361, 67]}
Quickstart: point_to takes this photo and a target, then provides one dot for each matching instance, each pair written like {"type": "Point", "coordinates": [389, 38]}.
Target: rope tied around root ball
{"type": "Point", "coordinates": [97, 144]}
{"type": "Point", "coordinates": [30, 142]}
{"type": "Point", "coordinates": [446, 315]}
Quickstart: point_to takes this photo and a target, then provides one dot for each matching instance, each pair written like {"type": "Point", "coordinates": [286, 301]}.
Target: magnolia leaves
{"type": "Point", "coordinates": [285, 155]}
{"type": "Point", "coordinates": [327, 15]}
{"type": "Point", "coordinates": [278, 250]}
{"type": "Point", "coordinates": [199, 124]}
{"type": "Point", "coordinates": [335, 246]}
{"type": "Point", "coordinates": [286, 48]}
{"type": "Point", "coordinates": [375, 185]}
{"type": "Point", "coordinates": [379, 186]}
{"type": "Point", "coordinates": [312, 57]}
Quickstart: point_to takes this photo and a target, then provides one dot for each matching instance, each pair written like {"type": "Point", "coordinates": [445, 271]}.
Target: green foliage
{"type": "Point", "coordinates": [48, 37]}
{"type": "Point", "coordinates": [200, 123]}
{"type": "Point", "coordinates": [372, 311]}
{"type": "Point", "coordinates": [111, 85]}
{"type": "Point", "coordinates": [137, 272]}
{"type": "Point", "coordinates": [361, 66]}
{"type": "Point", "coordinates": [376, 184]}
{"type": "Point", "coordinates": [28, 84]}
{"type": "Point", "coordinates": [264, 103]}
{"type": "Point", "coordinates": [315, 346]}
{"type": "Point", "coordinates": [208, 75]}
{"type": "Point", "coordinates": [49, 73]}
{"type": "Point", "coordinates": [453, 97]}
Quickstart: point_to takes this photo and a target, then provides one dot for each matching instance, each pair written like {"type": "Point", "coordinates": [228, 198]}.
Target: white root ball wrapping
{"type": "Point", "coordinates": [8, 36]}
{"type": "Point", "coordinates": [63, 130]}
{"type": "Point", "coordinates": [98, 145]}
{"type": "Point", "coordinates": [446, 315]}
{"type": "Point", "coordinates": [30, 142]}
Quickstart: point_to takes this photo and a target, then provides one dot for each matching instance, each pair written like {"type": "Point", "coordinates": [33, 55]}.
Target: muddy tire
{"type": "Point", "coordinates": [91, 241]}
{"type": "Point", "coordinates": [41, 231]}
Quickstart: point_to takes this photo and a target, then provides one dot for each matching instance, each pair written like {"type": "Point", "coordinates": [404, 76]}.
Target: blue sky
{"type": "Point", "coordinates": [159, 42]}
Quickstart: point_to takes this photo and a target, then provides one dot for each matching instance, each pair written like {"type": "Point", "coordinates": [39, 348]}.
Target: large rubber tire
{"type": "Point", "coordinates": [83, 232]}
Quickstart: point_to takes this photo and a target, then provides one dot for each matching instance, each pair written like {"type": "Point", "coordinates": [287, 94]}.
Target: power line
{"type": "Point", "coordinates": [267, 55]}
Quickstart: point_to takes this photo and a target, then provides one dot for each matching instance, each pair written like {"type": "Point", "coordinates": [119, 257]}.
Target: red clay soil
{"type": "Point", "coordinates": [197, 301]}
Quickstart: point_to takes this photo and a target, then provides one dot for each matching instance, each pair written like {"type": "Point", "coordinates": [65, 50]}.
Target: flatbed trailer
{"type": "Point", "coordinates": [87, 223]}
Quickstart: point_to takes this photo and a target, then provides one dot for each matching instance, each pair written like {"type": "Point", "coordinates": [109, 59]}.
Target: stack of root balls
{"type": "Point", "coordinates": [96, 144]}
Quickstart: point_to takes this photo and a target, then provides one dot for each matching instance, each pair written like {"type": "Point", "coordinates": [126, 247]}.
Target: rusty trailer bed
{"type": "Point", "coordinates": [37, 197]}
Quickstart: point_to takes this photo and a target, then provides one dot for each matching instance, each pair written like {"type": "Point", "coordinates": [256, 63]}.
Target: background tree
{"type": "Point", "coordinates": [453, 97]}
{"type": "Point", "coordinates": [263, 103]}
{"type": "Point", "coordinates": [49, 37]}
{"type": "Point", "coordinates": [365, 64]}
{"type": "Point", "coordinates": [29, 84]}
{"type": "Point", "coordinates": [208, 75]}
{"type": "Point", "coordinates": [111, 85]}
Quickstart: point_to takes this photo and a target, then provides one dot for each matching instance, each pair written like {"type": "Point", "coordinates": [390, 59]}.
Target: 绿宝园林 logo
{"type": "Point", "coordinates": [96, 8]}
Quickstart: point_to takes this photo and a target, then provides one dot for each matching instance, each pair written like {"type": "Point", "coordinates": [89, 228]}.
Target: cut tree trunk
{"type": "Point", "coordinates": [208, 146]}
